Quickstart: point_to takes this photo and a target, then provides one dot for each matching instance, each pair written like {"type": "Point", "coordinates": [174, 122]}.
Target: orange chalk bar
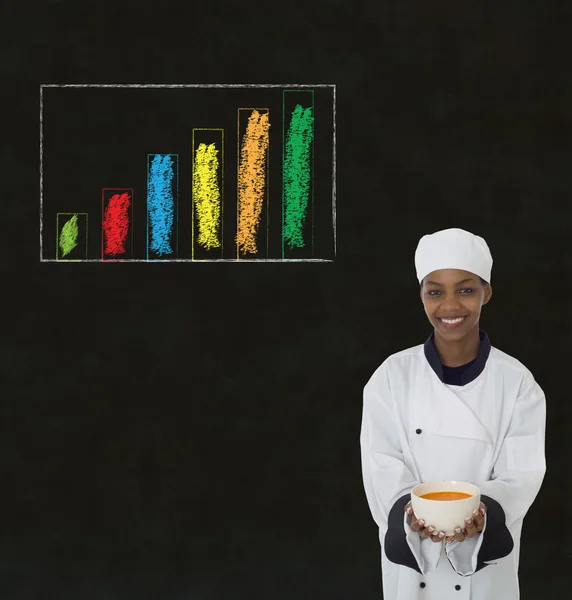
{"type": "Point", "coordinates": [252, 184]}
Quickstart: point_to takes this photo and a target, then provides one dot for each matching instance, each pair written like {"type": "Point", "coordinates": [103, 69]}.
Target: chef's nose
{"type": "Point", "coordinates": [450, 302]}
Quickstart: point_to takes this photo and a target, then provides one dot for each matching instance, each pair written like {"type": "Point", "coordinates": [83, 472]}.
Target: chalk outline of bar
{"type": "Point", "coordinates": [313, 145]}
{"type": "Point", "coordinates": [221, 129]}
{"type": "Point", "coordinates": [103, 190]}
{"type": "Point", "coordinates": [58, 238]}
{"type": "Point", "coordinates": [184, 86]}
{"type": "Point", "coordinates": [147, 203]}
{"type": "Point", "coordinates": [267, 175]}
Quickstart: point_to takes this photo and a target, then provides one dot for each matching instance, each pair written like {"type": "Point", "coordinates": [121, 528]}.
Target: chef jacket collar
{"type": "Point", "coordinates": [473, 371]}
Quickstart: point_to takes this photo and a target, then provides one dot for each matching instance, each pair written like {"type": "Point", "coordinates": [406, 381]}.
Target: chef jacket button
{"type": "Point", "coordinates": [457, 587]}
{"type": "Point", "coordinates": [422, 584]}
{"type": "Point", "coordinates": [418, 431]}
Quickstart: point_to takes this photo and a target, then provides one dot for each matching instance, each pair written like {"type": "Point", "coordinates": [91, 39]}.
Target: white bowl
{"type": "Point", "coordinates": [445, 515]}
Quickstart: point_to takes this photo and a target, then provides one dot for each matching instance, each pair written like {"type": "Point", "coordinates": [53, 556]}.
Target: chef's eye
{"type": "Point", "coordinates": [437, 292]}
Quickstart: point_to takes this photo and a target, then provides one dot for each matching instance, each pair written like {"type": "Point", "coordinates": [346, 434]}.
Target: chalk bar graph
{"type": "Point", "coordinates": [197, 173]}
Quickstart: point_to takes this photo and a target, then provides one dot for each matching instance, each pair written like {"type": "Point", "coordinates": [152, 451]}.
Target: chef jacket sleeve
{"type": "Point", "coordinates": [517, 474]}
{"type": "Point", "coordinates": [463, 556]}
{"type": "Point", "coordinates": [387, 480]}
{"type": "Point", "coordinates": [426, 552]}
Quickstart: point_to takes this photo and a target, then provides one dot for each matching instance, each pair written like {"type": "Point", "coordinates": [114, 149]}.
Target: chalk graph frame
{"type": "Point", "coordinates": [190, 85]}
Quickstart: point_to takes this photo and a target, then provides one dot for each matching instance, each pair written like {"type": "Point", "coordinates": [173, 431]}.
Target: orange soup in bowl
{"type": "Point", "coordinates": [446, 496]}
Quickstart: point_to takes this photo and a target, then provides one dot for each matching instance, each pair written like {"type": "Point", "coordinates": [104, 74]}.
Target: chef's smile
{"type": "Point", "coordinates": [452, 323]}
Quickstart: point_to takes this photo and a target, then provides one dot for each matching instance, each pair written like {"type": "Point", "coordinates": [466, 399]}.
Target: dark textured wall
{"type": "Point", "coordinates": [194, 446]}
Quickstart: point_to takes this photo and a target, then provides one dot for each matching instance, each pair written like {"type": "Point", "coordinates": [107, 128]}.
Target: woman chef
{"type": "Point", "coordinates": [452, 408]}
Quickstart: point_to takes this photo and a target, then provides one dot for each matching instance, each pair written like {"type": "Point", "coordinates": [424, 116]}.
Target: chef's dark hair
{"type": "Point", "coordinates": [483, 282]}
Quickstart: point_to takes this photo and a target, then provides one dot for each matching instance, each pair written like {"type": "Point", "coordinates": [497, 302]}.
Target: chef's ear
{"type": "Point", "coordinates": [488, 293]}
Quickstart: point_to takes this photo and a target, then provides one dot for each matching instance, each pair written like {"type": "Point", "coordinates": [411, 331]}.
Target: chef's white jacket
{"type": "Point", "coordinates": [489, 431]}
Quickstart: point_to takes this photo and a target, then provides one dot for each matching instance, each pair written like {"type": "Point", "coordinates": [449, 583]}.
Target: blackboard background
{"type": "Point", "coordinates": [163, 442]}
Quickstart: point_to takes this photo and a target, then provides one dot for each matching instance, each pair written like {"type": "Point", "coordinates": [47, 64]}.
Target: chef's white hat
{"type": "Point", "coordinates": [453, 249]}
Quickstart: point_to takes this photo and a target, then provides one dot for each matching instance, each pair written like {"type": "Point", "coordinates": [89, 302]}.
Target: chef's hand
{"type": "Point", "coordinates": [419, 526]}
{"type": "Point", "coordinates": [472, 526]}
